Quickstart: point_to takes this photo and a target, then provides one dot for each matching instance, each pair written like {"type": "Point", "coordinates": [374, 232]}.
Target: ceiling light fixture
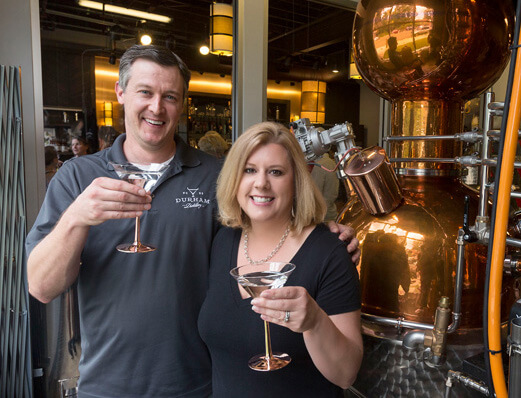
{"type": "Point", "coordinates": [145, 39]}
{"type": "Point", "coordinates": [124, 11]}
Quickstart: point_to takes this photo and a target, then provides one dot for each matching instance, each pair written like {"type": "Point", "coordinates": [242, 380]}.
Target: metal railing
{"type": "Point", "coordinates": [15, 369]}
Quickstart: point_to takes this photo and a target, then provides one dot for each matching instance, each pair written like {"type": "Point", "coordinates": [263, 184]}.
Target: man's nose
{"type": "Point", "coordinates": [156, 104]}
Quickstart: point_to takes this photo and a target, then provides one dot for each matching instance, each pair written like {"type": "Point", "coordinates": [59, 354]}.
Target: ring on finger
{"type": "Point", "coordinates": [286, 316]}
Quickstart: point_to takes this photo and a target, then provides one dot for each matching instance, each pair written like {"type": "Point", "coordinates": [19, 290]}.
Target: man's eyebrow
{"type": "Point", "coordinates": [147, 86]}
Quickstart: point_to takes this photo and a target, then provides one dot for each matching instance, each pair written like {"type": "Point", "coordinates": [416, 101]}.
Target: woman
{"type": "Point", "coordinates": [267, 197]}
{"type": "Point", "coordinates": [79, 146]}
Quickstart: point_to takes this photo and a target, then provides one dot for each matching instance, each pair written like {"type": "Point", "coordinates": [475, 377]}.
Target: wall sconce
{"type": "Point", "coordinates": [221, 29]}
{"type": "Point", "coordinates": [107, 113]}
{"type": "Point", "coordinates": [313, 101]}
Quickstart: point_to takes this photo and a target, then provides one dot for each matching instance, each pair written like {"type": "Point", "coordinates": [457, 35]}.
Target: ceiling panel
{"type": "Point", "coordinates": [303, 36]}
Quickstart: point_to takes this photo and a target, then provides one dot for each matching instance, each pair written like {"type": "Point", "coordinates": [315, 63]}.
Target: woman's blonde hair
{"type": "Point", "coordinates": [309, 207]}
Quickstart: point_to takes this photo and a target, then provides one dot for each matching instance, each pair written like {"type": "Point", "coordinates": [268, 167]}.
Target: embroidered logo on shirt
{"type": "Point", "coordinates": [192, 198]}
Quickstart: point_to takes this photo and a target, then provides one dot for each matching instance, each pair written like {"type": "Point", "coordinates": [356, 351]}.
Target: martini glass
{"type": "Point", "coordinates": [255, 278]}
{"type": "Point", "coordinates": [144, 175]}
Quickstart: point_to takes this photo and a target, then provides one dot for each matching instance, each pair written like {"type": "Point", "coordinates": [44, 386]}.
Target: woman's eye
{"type": "Point", "coordinates": [249, 170]}
{"type": "Point", "coordinates": [276, 172]}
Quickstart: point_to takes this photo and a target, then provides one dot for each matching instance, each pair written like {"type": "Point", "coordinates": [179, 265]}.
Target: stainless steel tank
{"type": "Point", "coordinates": [427, 58]}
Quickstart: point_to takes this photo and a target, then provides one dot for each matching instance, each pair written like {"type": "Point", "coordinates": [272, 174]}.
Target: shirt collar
{"type": "Point", "coordinates": [184, 154]}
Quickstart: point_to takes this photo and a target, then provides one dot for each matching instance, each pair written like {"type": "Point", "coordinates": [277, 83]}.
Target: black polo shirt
{"type": "Point", "coordinates": [138, 312]}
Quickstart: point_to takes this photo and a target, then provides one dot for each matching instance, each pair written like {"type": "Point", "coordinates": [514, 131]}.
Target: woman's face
{"type": "Point", "coordinates": [266, 189]}
{"type": "Point", "coordinates": [78, 148]}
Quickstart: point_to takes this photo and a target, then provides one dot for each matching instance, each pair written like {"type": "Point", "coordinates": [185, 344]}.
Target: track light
{"type": "Point", "coordinates": [145, 39]}
{"type": "Point", "coordinates": [124, 11]}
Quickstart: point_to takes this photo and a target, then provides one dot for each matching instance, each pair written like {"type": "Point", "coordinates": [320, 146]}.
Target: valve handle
{"type": "Point", "coordinates": [469, 236]}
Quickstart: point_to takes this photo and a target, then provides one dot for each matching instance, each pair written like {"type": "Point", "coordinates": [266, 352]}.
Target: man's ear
{"type": "Point", "coordinates": [119, 93]}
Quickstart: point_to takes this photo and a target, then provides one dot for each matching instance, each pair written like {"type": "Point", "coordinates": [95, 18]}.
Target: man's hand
{"type": "Point", "coordinates": [53, 266]}
{"type": "Point", "coordinates": [347, 234]}
{"type": "Point", "coordinates": [108, 198]}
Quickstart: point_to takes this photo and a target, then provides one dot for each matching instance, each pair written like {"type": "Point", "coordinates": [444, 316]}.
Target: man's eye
{"type": "Point", "coordinates": [171, 98]}
{"type": "Point", "coordinates": [146, 92]}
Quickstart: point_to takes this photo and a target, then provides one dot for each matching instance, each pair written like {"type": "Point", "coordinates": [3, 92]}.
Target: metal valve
{"type": "Point", "coordinates": [469, 235]}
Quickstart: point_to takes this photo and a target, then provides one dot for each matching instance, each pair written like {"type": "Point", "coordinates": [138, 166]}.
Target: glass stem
{"type": "Point", "coordinates": [267, 339]}
{"type": "Point", "coordinates": [136, 233]}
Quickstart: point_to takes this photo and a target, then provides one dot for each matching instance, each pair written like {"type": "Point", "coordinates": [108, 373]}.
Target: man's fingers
{"type": "Point", "coordinates": [355, 257]}
{"type": "Point", "coordinates": [113, 184]}
{"type": "Point", "coordinates": [353, 245]}
{"type": "Point", "coordinates": [111, 190]}
{"type": "Point", "coordinates": [333, 227]}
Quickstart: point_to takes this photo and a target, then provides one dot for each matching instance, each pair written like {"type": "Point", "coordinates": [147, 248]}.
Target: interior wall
{"type": "Point", "coordinates": [20, 46]}
{"type": "Point", "coordinates": [343, 103]}
{"type": "Point", "coordinates": [500, 87]}
{"type": "Point", "coordinates": [369, 113]}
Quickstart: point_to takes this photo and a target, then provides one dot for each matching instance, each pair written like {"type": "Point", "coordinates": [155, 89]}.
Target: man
{"type": "Point", "coordinates": [138, 312]}
{"type": "Point", "coordinates": [327, 182]}
{"type": "Point", "coordinates": [106, 137]}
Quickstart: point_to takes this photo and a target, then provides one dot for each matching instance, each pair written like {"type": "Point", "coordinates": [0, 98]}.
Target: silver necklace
{"type": "Point", "coordinates": [274, 251]}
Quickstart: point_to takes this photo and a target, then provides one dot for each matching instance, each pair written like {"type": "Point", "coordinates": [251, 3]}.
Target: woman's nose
{"type": "Point", "coordinates": [261, 181]}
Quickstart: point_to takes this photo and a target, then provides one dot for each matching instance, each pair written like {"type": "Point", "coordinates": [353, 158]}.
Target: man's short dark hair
{"type": "Point", "coordinates": [158, 54]}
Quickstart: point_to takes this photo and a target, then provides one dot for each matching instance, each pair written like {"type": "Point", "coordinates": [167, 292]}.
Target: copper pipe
{"type": "Point", "coordinates": [499, 243]}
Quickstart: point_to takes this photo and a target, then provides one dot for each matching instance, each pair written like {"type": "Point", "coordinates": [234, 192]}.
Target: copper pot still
{"type": "Point", "coordinates": [374, 181]}
{"type": "Point", "coordinates": [427, 58]}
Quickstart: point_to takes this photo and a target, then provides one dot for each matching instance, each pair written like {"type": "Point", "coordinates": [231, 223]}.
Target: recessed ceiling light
{"type": "Point", "coordinates": [124, 11]}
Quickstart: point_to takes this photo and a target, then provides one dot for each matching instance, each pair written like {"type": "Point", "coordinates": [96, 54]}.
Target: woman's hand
{"type": "Point", "coordinates": [334, 343]}
{"type": "Point", "coordinates": [273, 305]}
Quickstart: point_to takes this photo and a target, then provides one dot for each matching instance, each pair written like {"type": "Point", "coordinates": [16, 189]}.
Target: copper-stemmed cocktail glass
{"type": "Point", "coordinates": [144, 175]}
{"type": "Point", "coordinates": [255, 278]}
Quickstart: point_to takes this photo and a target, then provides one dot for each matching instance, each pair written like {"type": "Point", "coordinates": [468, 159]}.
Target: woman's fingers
{"type": "Point", "coordinates": [291, 307]}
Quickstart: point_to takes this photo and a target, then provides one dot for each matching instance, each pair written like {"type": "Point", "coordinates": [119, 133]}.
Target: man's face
{"type": "Point", "coordinates": [153, 101]}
